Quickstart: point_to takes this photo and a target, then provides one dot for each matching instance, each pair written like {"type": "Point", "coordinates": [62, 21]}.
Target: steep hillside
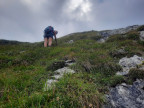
{"type": "Point", "coordinates": [98, 35]}
{"type": "Point", "coordinates": [25, 68]}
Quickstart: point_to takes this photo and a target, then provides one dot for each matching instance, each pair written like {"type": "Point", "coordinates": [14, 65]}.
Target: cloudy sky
{"type": "Point", "coordinates": [25, 20]}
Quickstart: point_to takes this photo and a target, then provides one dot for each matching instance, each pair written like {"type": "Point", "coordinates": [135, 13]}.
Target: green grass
{"type": "Point", "coordinates": [24, 69]}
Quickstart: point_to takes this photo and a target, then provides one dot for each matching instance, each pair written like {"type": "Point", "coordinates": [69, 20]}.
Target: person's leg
{"type": "Point", "coordinates": [50, 41]}
{"type": "Point", "coordinates": [45, 42]}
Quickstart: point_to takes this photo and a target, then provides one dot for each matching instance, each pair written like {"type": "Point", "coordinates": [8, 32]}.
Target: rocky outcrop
{"type": "Point", "coordinates": [126, 96]}
{"type": "Point", "coordinates": [59, 74]}
{"type": "Point", "coordinates": [118, 31]}
{"type": "Point", "coordinates": [142, 35]}
{"type": "Point", "coordinates": [107, 33]}
{"type": "Point", "coordinates": [128, 63]}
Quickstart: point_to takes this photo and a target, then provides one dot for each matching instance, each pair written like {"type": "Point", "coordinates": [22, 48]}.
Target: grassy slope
{"type": "Point", "coordinates": [23, 71]}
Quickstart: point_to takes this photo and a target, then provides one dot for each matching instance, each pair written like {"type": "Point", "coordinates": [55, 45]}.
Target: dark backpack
{"type": "Point", "coordinates": [49, 30]}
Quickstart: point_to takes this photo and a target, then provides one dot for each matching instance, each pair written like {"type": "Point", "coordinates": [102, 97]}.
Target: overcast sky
{"type": "Point", "coordinates": [25, 20]}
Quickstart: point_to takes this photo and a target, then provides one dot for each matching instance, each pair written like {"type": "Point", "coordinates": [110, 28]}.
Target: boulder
{"type": "Point", "coordinates": [108, 33]}
{"type": "Point", "coordinates": [129, 63]}
{"type": "Point", "coordinates": [126, 96]}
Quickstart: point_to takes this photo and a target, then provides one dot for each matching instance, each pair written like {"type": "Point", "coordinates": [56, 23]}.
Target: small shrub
{"type": "Point", "coordinates": [118, 53]}
{"type": "Point", "coordinates": [141, 28]}
{"type": "Point", "coordinates": [116, 80]}
{"type": "Point", "coordinates": [141, 42]}
{"type": "Point", "coordinates": [56, 65]}
{"type": "Point", "coordinates": [136, 74]}
{"type": "Point", "coordinates": [116, 38]}
{"type": "Point", "coordinates": [107, 69]}
{"type": "Point", "coordinates": [133, 36]}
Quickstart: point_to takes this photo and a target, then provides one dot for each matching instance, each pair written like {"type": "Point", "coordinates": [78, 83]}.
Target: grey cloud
{"type": "Point", "coordinates": [19, 21]}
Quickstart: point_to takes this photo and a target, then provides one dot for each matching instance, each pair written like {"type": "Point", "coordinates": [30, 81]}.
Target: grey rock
{"type": "Point", "coordinates": [22, 52]}
{"type": "Point", "coordinates": [69, 62]}
{"type": "Point", "coordinates": [142, 35]}
{"type": "Point", "coordinates": [129, 63]}
{"type": "Point", "coordinates": [49, 84]}
{"type": "Point", "coordinates": [60, 72]}
{"type": "Point", "coordinates": [65, 70]}
{"type": "Point", "coordinates": [71, 41]}
{"type": "Point", "coordinates": [102, 40]}
{"type": "Point", "coordinates": [118, 31]}
{"type": "Point", "coordinates": [107, 33]}
{"type": "Point", "coordinates": [126, 96]}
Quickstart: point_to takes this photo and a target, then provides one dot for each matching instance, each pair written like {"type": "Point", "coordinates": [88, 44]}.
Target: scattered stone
{"type": "Point", "coordinates": [49, 83]}
{"type": "Point", "coordinates": [126, 96]}
{"type": "Point", "coordinates": [69, 62]}
{"type": "Point", "coordinates": [71, 41]}
{"type": "Point", "coordinates": [129, 63]}
{"type": "Point", "coordinates": [64, 70]}
{"type": "Point", "coordinates": [142, 35]}
{"type": "Point", "coordinates": [102, 40]}
{"type": "Point", "coordinates": [59, 74]}
{"type": "Point", "coordinates": [22, 52]}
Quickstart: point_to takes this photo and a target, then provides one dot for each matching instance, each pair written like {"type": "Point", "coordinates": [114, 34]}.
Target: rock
{"type": "Point", "coordinates": [142, 35]}
{"type": "Point", "coordinates": [105, 34]}
{"type": "Point", "coordinates": [69, 62]}
{"type": "Point", "coordinates": [49, 83]}
{"type": "Point", "coordinates": [64, 70]}
{"type": "Point", "coordinates": [128, 63]}
{"type": "Point", "coordinates": [102, 40]}
{"type": "Point", "coordinates": [22, 52]}
{"type": "Point", "coordinates": [60, 73]}
{"type": "Point", "coordinates": [118, 31]}
{"type": "Point", "coordinates": [126, 96]}
{"type": "Point", "coordinates": [71, 41]}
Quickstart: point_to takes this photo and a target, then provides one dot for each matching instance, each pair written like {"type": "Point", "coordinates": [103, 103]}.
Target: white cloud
{"type": "Point", "coordinates": [78, 10]}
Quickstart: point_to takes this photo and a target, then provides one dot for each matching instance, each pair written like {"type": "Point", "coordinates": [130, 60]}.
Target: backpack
{"type": "Point", "coordinates": [49, 30]}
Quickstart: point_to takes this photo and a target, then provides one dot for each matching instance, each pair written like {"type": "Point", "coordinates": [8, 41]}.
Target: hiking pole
{"type": "Point", "coordinates": [56, 40]}
{"type": "Point", "coordinates": [55, 36]}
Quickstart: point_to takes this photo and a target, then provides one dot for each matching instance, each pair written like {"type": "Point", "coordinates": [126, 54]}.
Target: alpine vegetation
{"type": "Point", "coordinates": [92, 69]}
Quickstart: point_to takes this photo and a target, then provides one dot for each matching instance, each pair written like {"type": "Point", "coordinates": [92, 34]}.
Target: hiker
{"type": "Point", "coordinates": [49, 32]}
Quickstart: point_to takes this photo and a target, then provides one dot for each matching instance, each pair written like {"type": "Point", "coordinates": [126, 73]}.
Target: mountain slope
{"type": "Point", "coordinates": [25, 68]}
{"type": "Point", "coordinates": [97, 35]}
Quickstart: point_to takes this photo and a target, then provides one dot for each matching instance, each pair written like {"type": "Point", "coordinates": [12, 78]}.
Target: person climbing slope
{"type": "Point", "coordinates": [49, 32]}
